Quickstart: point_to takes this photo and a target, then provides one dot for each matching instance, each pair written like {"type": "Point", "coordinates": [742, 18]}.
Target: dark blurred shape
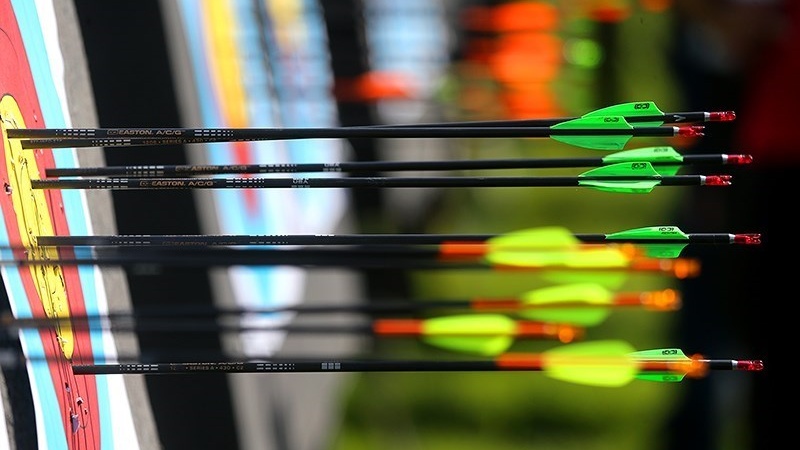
{"type": "Point", "coordinates": [140, 91]}
{"type": "Point", "coordinates": [344, 20]}
{"type": "Point", "coordinates": [744, 56]}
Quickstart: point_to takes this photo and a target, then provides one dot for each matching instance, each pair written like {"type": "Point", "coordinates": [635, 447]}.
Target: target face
{"type": "Point", "coordinates": [70, 412]}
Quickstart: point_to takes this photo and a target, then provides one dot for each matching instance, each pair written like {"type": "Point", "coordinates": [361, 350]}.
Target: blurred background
{"type": "Point", "coordinates": [319, 63]}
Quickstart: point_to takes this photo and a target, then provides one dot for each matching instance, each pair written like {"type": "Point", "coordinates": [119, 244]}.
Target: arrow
{"type": "Point", "coordinates": [635, 113]}
{"type": "Point", "coordinates": [664, 159]}
{"type": "Point", "coordinates": [610, 363]}
{"type": "Point", "coordinates": [638, 114]}
{"type": "Point", "coordinates": [604, 259]}
{"type": "Point", "coordinates": [657, 241]}
{"type": "Point", "coordinates": [600, 133]}
{"type": "Point", "coordinates": [581, 304]}
{"type": "Point", "coordinates": [632, 178]}
{"type": "Point", "coordinates": [484, 334]}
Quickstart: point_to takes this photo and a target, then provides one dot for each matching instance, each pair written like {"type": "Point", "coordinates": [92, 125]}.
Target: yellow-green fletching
{"type": "Point", "coordinates": [594, 295]}
{"type": "Point", "coordinates": [533, 239]}
{"type": "Point", "coordinates": [657, 232]}
{"type": "Point", "coordinates": [609, 279]}
{"type": "Point", "coordinates": [605, 257]}
{"type": "Point", "coordinates": [631, 109]}
{"type": "Point", "coordinates": [574, 258]}
{"type": "Point", "coordinates": [673, 354]}
{"type": "Point", "coordinates": [596, 363]}
{"type": "Point", "coordinates": [659, 156]}
{"type": "Point", "coordinates": [532, 247]}
{"type": "Point", "coordinates": [626, 169]}
{"type": "Point", "coordinates": [612, 142]}
{"type": "Point", "coordinates": [482, 334]}
{"type": "Point", "coordinates": [528, 259]}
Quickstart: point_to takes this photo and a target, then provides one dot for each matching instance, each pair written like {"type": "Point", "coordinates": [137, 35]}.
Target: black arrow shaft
{"type": "Point", "coordinates": [348, 182]}
{"type": "Point", "coordinates": [123, 137]}
{"type": "Point", "coordinates": [183, 240]}
{"type": "Point", "coordinates": [411, 131]}
{"type": "Point", "coordinates": [358, 166]}
{"type": "Point", "coordinates": [226, 257]}
{"type": "Point", "coordinates": [289, 366]}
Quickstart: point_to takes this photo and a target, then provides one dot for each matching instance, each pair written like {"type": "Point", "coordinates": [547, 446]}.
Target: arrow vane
{"type": "Point", "coordinates": [584, 304]}
{"type": "Point", "coordinates": [664, 159]}
{"type": "Point", "coordinates": [598, 363]}
{"type": "Point", "coordinates": [636, 178]}
{"type": "Point", "coordinates": [534, 239]}
{"type": "Point", "coordinates": [635, 113]}
{"type": "Point", "coordinates": [594, 132]}
{"type": "Point", "coordinates": [178, 240]}
{"type": "Point", "coordinates": [610, 260]}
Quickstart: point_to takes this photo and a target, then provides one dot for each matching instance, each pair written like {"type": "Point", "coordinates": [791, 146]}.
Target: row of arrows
{"type": "Point", "coordinates": [558, 313]}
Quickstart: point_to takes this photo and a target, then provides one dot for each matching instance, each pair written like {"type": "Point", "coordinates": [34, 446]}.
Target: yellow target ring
{"type": "Point", "coordinates": [33, 219]}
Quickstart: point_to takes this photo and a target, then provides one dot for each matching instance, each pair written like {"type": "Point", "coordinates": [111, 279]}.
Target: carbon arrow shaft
{"type": "Point", "coordinates": [149, 240]}
{"type": "Point", "coordinates": [125, 137]}
{"type": "Point", "coordinates": [251, 240]}
{"type": "Point", "coordinates": [311, 258]}
{"type": "Point", "coordinates": [645, 299]}
{"type": "Point", "coordinates": [364, 166]}
{"type": "Point", "coordinates": [363, 182]}
{"type": "Point", "coordinates": [512, 362]}
{"type": "Point", "coordinates": [284, 367]}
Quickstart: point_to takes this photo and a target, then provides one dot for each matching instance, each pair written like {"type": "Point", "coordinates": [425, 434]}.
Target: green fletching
{"type": "Point", "coordinates": [605, 122]}
{"type": "Point", "coordinates": [482, 334]}
{"type": "Point", "coordinates": [596, 363]}
{"type": "Point", "coordinates": [534, 238]}
{"type": "Point", "coordinates": [625, 169]}
{"type": "Point", "coordinates": [630, 110]}
{"type": "Point", "coordinates": [661, 354]}
{"type": "Point", "coordinates": [623, 187]}
{"type": "Point", "coordinates": [668, 171]}
{"type": "Point", "coordinates": [615, 142]}
{"type": "Point", "coordinates": [658, 232]}
{"type": "Point", "coordinates": [589, 293]}
{"type": "Point", "coordinates": [661, 377]}
{"type": "Point", "coordinates": [665, 251]}
{"type": "Point", "coordinates": [655, 250]}
{"type": "Point", "coordinates": [653, 155]}
{"type": "Point", "coordinates": [660, 154]}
